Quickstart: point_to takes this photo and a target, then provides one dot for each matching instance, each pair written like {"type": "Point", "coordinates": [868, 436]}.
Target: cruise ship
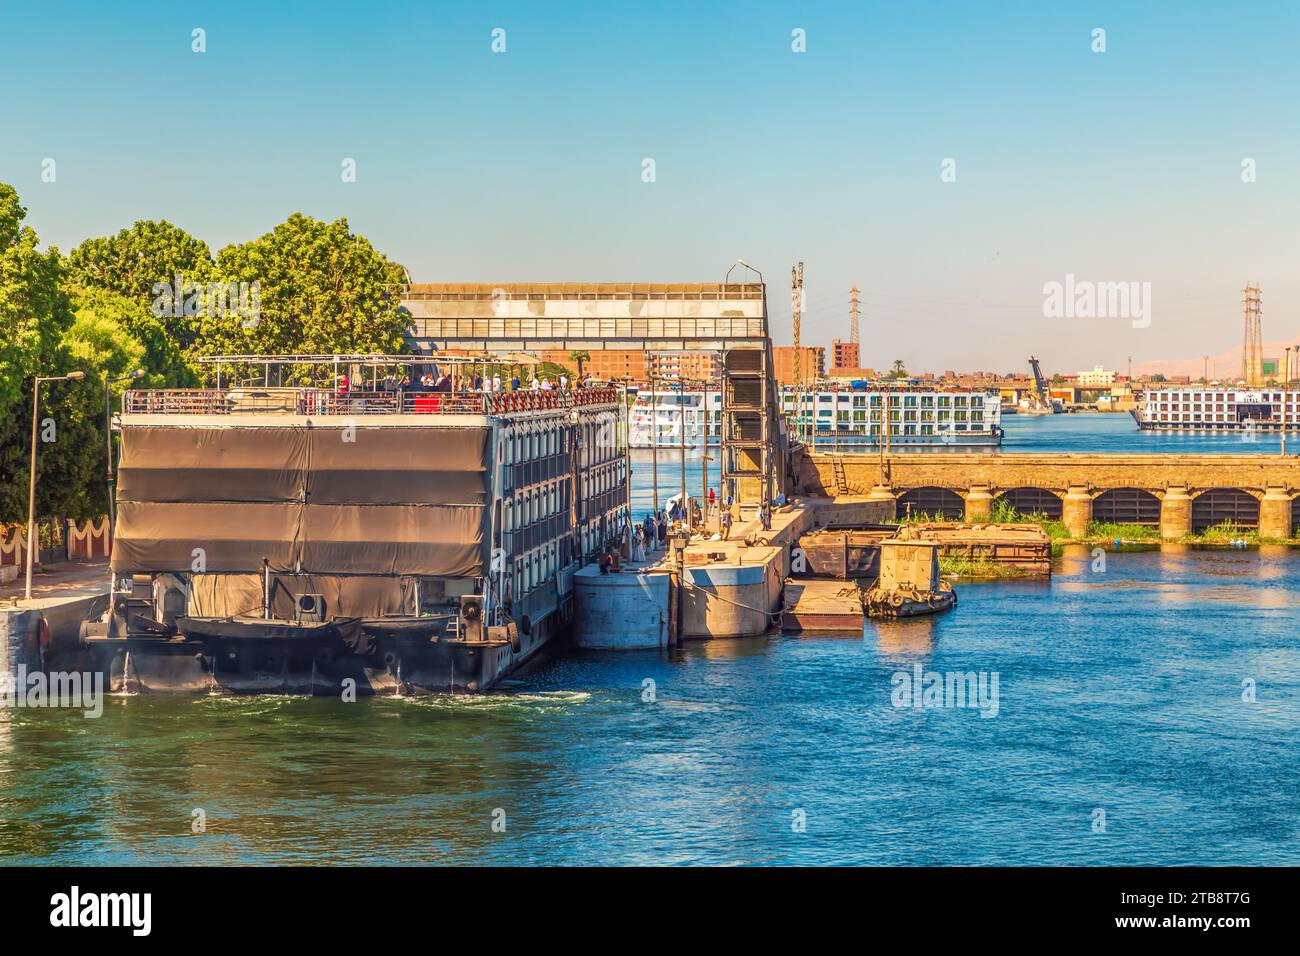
{"type": "Point", "coordinates": [1212, 409]}
{"type": "Point", "coordinates": [826, 418]}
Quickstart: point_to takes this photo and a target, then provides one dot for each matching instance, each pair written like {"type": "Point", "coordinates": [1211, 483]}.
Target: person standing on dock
{"type": "Point", "coordinates": [765, 515]}
{"type": "Point", "coordinates": [726, 524]}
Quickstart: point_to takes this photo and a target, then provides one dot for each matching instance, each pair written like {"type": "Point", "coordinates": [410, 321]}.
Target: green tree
{"type": "Point", "coordinates": [33, 306]}
{"type": "Point", "coordinates": [899, 370]}
{"type": "Point", "coordinates": [145, 263]}
{"type": "Point", "coordinates": [107, 336]}
{"type": "Point", "coordinates": [321, 289]}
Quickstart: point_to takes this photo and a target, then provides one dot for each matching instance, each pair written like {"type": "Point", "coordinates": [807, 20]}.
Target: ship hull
{"type": "Point", "coordinates": [353, 657]}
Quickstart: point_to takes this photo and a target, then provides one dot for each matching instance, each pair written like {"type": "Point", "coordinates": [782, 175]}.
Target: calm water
{"type": "Point", "coordinates": [1118, 690]}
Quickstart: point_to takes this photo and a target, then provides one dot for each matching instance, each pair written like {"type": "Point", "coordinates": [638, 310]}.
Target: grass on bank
{"type": "Point", "coordinates": [963, 567]}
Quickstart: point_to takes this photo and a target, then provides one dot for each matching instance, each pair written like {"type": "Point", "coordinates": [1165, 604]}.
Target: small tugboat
{"type": "Point", "coordinates": [909, 583]}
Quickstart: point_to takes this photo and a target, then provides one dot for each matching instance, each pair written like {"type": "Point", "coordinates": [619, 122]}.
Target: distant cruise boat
{"type": "Point", "coordinates": [1210, 409]}
{"type": "Point", "coordinates": [918, 418]}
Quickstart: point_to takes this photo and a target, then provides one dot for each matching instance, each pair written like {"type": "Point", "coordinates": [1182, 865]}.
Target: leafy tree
{"type": "Point", "coordinates": [321, 289]}
{"type": "Point", "coordinates": [33, 307]}
{"type": "Point", "coordinates": [580, 357]}
{"type": "Point", "coordinates": [899, 370]}
{"type": "Point", "coordinates": [107, 335]}
{"type": "Point", "coordinates": [145, 263]}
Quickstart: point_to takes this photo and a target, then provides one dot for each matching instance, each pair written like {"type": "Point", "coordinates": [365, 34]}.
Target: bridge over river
{"type": "Point", "coordinates": [1177, 493]}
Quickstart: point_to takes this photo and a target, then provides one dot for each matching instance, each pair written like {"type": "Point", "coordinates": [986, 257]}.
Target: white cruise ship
{"type": "Point", "coordinates": [1207, 408]}
{"type": "Point", "coordinates": [825, 419]}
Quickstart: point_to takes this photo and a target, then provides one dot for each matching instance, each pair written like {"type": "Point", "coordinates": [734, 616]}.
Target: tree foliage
{"type": "Point", "coordinates": [139, 262]}
{"type": "Point", "coordinates": [321, 290]}
{"type": "Point", "coordinates": [33, 306]}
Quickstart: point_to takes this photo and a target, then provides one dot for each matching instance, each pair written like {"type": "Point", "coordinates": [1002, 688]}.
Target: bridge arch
{"type": "Point", "coordinates": [1218, 505]}
{"type": "Point", "coordinates": [1126, 506]}
{"type": "Point", "coordinates": [941, 503]}
{"type": "Point", "coordinates": [1031, 501]}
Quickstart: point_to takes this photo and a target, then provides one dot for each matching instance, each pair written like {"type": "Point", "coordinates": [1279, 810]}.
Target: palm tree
{"type": "Point", "coordinates": [580, 357]}
{"type": "Point", "coordinates": [899, 370]}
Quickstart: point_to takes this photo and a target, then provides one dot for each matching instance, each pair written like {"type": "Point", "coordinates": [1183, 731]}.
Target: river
{"type": "Point", "coordinates": [1146, 713]}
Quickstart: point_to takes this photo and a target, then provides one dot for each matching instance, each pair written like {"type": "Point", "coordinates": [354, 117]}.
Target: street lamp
{"type": "Point", "coordinates": [31, 488]}
{"type": "Point", "coordinates": [108, 439]}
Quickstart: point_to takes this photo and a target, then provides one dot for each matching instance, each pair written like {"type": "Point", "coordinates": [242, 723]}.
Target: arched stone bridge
{"type": "Point", "coordinates": [1177, 493]}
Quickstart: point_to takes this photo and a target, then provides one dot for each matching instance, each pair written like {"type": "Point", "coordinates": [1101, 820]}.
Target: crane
{"type": "Point", "coordinates": [1041, 402]}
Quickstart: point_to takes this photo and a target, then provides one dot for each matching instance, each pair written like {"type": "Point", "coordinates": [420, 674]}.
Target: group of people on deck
{"type": "Point", "coordinates": [495, 383]}
{"type": "Point", "coordinates": [438, 381]}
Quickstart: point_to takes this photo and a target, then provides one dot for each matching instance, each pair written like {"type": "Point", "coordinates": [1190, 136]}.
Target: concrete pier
{"type": "Point", "coordinates": [1076, 510]}
{"type": "Point", "coordinates": [1175, 513]}
{"type": "Point", "coordinates": [623, 611]}
{"type": "Point", "coordinates": [1275, 513]}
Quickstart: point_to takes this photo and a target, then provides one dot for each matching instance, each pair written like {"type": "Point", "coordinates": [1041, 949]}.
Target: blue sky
{"type": "Point", "coordinates": [526, 165]}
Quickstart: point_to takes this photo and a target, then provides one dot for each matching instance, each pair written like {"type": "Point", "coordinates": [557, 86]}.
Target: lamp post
{"type": "Point", "coordinates": [31, 488]}
{"type": "Point", "coordinates": [108, 440]}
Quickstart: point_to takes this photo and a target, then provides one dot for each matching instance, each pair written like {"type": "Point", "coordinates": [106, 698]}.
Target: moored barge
{"type": "Point", "coordinates": [315, 539]}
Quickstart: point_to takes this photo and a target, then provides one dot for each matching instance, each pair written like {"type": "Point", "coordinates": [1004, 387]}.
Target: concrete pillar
{"type": "Point", "coordinates": [1275, 513]}
{"type": "Point", "coordinates": [1076, 510]}
{"type": "Point", "coordinates": [1175, 513]}
{"type": "Point", "coordinates": [978, 502]}
{"type": "Point", "coordinates": [885, 493]}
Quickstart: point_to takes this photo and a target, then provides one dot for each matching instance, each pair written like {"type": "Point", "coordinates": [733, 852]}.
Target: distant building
{"type": "Point", "coordinates": [636, 365]}
{"type": "Point", "coordinates": [844, 354]}
{"type": "Point", "coordinates": [626, 365]}
{"type": "Point", "coordinates": [853, 374]}
{"type": "Point", "coordinates": [811, 362]}
{"type": "Point", "coordinates": [1097, 378]}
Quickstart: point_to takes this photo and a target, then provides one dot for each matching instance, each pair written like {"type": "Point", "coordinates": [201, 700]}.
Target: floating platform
{"type": "Point", "coordinates": [1023, 546]}
{"type": "Point", "coordinates": [820, 606]}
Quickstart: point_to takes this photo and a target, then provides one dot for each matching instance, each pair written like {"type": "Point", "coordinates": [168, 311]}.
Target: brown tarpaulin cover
{"type": "Point", "coordinates": [229, 595]}
{"type": "Point", "coordinates": [211, 464]}
{"type": "Point", "coordinates": [410, 500]}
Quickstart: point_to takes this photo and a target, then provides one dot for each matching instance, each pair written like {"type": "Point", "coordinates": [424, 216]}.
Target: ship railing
{"type": "Point", "coordinates": [326, 401]}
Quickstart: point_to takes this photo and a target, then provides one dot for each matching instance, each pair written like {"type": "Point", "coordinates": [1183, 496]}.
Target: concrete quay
{"type": "Point", "coordinates": [62, 597]}
{"type": "Point", "coordinates": [731, 588]}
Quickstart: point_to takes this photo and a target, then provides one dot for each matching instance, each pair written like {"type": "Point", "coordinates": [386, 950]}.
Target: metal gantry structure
{"type": "Point", "coordinates": [729, 318]}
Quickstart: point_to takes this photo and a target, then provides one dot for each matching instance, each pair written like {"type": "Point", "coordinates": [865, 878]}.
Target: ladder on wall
{"type": "Point", "coordinates": [837, 468]}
